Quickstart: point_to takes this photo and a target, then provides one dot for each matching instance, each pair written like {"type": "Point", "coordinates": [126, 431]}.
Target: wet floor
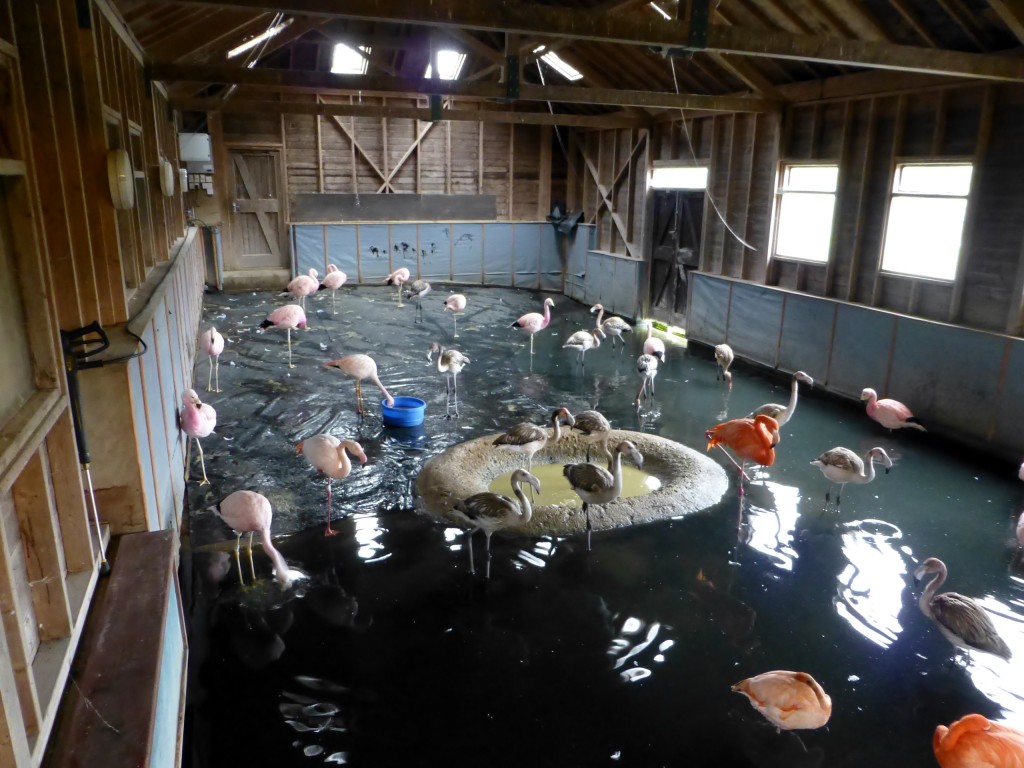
{"type": "Point", "coordinates": [387, 652]}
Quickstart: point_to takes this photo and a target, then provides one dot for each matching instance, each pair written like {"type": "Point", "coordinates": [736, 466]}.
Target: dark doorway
{"type": "Point", "coordinates": [678, 216]}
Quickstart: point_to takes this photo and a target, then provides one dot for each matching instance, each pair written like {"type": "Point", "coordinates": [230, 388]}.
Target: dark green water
{"type": "Point", "coordinates": [389, 653]}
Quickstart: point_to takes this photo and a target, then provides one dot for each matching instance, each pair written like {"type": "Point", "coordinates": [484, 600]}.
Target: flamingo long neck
{"type": "Point", "coordinates": [793, 393]}
{"type": "Point", "coordinates": [600, 314]}
{"type": "Point", "coordinates": [556, 422]}
{"type": "Point", "coordinates": [280, 566]}
{"type": "Point", "coordinates": [380, 386]}
{"type": "Point", "coordinates": [547, 315]}
{"type": "Point", "coordinates": [869, 468]}
{"type": "Point", "coordinates": [925, 601]}
{"type": "Point", "coordinates": [650, 326]}
{"type": "Point", "coordinates": [525, 509]}
{"type": "Point", "coordinates": [615, 467]}
{"type": "Point", "coordinates": [440, 354]}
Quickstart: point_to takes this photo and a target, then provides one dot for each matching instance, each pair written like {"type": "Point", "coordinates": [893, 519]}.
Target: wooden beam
{"type": "Point", "coordinates": [1011, 12]}
{"type": "Point", "coordinates": [867, 85]}
{"type": "Point", "coordinates": [238, 106]}
{"type": "Point", "coordinates": [319, 82]}
{"type": "Point", "coordinates": [638, 29]}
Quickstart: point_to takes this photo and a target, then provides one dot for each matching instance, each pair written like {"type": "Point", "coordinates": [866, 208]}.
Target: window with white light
{"type": "Point", "coordinates": [680, 177]}
{"type": "Point", "coordinates": [349, 61]}
{"type": "Point", "coordinates": [253, 42]}
{"type": "Point", "coordinates": [449, 65]}
{"type": "Point", "coordinates": [560, 65]}
{"type": "Point", "coordinates": [804, 210]}
{"type": "Point", "coordinates": [926, 219]}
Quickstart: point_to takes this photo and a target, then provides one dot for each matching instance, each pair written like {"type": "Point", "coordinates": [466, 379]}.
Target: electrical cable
{"type": "Point", "coordinates": [693, 155]}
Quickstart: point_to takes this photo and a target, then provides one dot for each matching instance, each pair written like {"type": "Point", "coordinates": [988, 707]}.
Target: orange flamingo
{"type": "Point", "coordinates": [752, 440]}
{"type": "Point", "coordinates": [790, 700]}
{"type": "Point", "coordinates": [974, 741]}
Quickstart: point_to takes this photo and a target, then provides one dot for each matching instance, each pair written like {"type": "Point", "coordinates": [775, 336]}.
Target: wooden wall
{"type": "Point", "coordinates": [71, 88]}
{"type": "Point", "coordinates": [867, 136]}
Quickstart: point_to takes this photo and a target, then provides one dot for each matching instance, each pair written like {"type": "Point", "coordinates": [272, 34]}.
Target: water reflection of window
{"type": "Point", "coordinates": [771, 527]}
{"type": "Point", "coordinates": [636, 646]}
{"type": "Point", "coordinates": [990, 674]}
{"type": "Point", "coordinates": [871, 585]}
{"type": "Point", "coordinates": [366, 534]}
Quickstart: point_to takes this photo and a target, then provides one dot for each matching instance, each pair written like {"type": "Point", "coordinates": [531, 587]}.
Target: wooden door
{"type": "Point", "coordinates": [675, 251]}
{"type": "Point", "coordinates": [256, 226]}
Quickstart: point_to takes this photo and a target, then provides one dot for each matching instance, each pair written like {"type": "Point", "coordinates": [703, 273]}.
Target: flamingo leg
{"type": "Point", "coordinates": [238, 560]}
{"type": "Point", "coordinates": [455, 392]}
{"type": "Point", "coordinates": [469, 546]}
{"type": "Point", "coordinates": [252, 567]}
{"type": "Point", "coordinates": [531, 343]}
{"type": "Point", "coordinates": [209, 378]}
{"type": "Point", "coordinates": [289, 330]}
{"type": "Point", "coordinates": [330, 531]}
{"type": "Point", "coordinates": [455, 325]}
{"type": "Point", "coordinates": [400, 295]}
{"type": "Point", "coordinates": [743, 474]}
{"type": "Point", "coordinates": [586, 511]}
{"type": "Point", "coordinates": [487, 571]}
{"type": "Point", "coordinates": [216, 374]}
{"type": "Point", "coordinates": [202, 463]}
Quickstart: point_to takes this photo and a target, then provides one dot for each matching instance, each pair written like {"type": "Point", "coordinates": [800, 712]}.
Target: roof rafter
{"type": "Point", "coordinates": [635, 29]}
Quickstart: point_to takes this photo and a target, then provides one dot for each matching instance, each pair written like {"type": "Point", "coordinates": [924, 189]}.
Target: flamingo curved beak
{"type": "Point", "coordinates": [638, 458]}
{"type": "Point", "coordinates": [298, 447]}
{"type": "Point", "coordinates": [534, 482]}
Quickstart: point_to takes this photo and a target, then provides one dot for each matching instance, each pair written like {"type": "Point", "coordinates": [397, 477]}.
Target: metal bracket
{"type": "Point", "coordinates": [435, 107]}
{"type": "Point", "coordinates": [512, 78]}
{"type": "Point", "coordinates": [700, 16]}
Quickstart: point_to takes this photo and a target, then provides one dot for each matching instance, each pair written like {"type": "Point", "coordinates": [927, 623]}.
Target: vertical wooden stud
{"type": "Point", "coordinates": [897, 145]}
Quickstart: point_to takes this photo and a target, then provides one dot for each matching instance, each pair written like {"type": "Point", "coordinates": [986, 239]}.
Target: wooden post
{"type": "Point", "coordinates": [844, 164]}
{"type": "Point", "coordinates": [544, 176]}
{"type": "Point", "coordinates": [319, 156]}
{"type": "Point", "coordinates": [862, 195]}
{"type": "Point", "coordinates": [897, 144]}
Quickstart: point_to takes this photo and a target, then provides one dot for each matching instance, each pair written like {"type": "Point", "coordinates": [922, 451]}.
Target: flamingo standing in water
{"type": "Point", "coordinates": [596, 485]}
{"type": "Point", "coordinates": [596, 428]}
{"type": "Point", "coordinates": [197, 420]}
{"type": "Point", "coordinates": [613, 326]}
{"type": "Point", "coordinates": [581, 341]}
{"type": "Point", "coordinates": [250, 512]}
{"type": "Point", "coordinates": [789, 700]}
{"type": "Point", "coordinates": [841, 465]}
{"type": "Point", "coordinates": [333, 280]}
{"type": "Point", "coordinates": [456, 304]}
{"type": "Point", "coordinates": [287, 317]}
{"type": "Point", "coordinates": [891, 414]}
{"type": "Point", "coordinates": [974, 741]}
{"type": "Point", "coordinates": [529, 438]}
{"type": "Point", "coordinates": [783, 413]}
{"type": "Point", "coordinates": [752, 440]}
{"type": "Point", "coordinates": [212, 343]}
{"type": "Point", "coordinates": [653, 345]}
{"type": "Point", "coordinates": [399, 276]}
{"type": "Point", "coordinates": [490, 512]}
{"type": "Point", "coordinates": [647, 368]}
{"type": "Point", "coordinates": [532, 322]}
{"type": "Point", "coordinates": [360, 367]}
{"type": "Point", "coordinates": [303, 286]}
{"type": "Point", "coordinates": [450, 362]}
{"type": "Point", "coordinates": [960, 620]}
{"type": "Point", "coordinates": [329, 456]}
{"type": "Point", "coordinates": [724, 357]}
{"type": "Point", "coordinates": [417, 290]}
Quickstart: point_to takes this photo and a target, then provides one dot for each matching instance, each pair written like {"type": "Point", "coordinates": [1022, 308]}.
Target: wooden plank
{"type": "Point", "coordinates": [14, 747]}
{"type": "Point", "coordinates": [544, 177]}
{"type": "Point", "coordinates": [421, 133]}
{"type": "Point", "coordinates": [867, 162]}
{"type": "Point", "coordinates": [259, 107]}
{"type": "Point", "coordinates": [69, 495]}
{"type": "Point", "coordinates": [259, 208]}
{"type": "Point", "coordinates": [12, 167]}
{"type": "Point", "coordinates": [350, 135]}
{"type": "Point", "coordinates": [1011, 12]}
{"type": "Point", "coordinates": [652, 31]}
{"type": "Point", "coordinates": [894, 151]}
{"type": "Point", "coordinates": [319, 157]}
{"type": "Point", "coordinates": [971, 215]}
{"type": "Point", "coordinates": [844, 164]}
{"type": "Point", "coordinates": [44, 556]}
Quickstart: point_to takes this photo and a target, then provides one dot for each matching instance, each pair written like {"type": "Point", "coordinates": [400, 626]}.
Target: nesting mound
{"type": "Point", "coordinates": [690, 482]}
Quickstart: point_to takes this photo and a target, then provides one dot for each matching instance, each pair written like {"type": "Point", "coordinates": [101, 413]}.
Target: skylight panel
{"type": "Point", "coordinates": [449, 65]}
{"type": "Point", "coordinates": [252, 43]}
{"type": "Point", "coordinates": [660, 10]}
{"type": "Point", "coordinates": [348, 61]}
{"type": "Point", "coordinates": [559, 64]}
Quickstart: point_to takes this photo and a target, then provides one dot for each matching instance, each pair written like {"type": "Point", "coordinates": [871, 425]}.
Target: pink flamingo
{"type": "Point", "coordinates": [723, 358]}
{"type": "Point", "coordinates": [891, 414]}
{"type": "Point", "coordinates": [652, 345]}
{"type": "Point", "coordinates": [287, 317]}
{"type": "Point", "coordinates": [456, 304]}
{"type": "Point", "coordinates": [250, 512]}
{"type": "Point", "coordinates": [333, 280]}
{"type": "Point", "coordinates": [213, 344]}
{"type": "Point", "coordinates": [197, 419]}
{"type": "Point", "coordinates": [303, 286]}
{"type": "Point", "coordinates": [532, 322]}
{"type": "Point", "coordinates": [398, 277]}
{"type": "Point", "coordinates": [360, 367]}
{"type": "Point", "coordinates": [329, 456]}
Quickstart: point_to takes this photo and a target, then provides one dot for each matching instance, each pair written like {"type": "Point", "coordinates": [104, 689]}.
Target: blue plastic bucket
{"type": "Point", "coordinates": [406, 412]}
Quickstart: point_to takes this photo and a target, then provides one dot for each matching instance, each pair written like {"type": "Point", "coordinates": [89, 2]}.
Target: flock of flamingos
{"type": "Point", "coordinates": [790, 700]}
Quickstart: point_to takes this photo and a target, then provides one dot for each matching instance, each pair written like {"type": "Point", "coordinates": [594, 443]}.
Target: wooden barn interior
{"type": "Point", "coordinates": [149, 148]}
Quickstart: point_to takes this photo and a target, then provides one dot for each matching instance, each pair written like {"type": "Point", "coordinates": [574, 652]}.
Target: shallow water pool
{"type": "Point", "coordinates": [389, 653]}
